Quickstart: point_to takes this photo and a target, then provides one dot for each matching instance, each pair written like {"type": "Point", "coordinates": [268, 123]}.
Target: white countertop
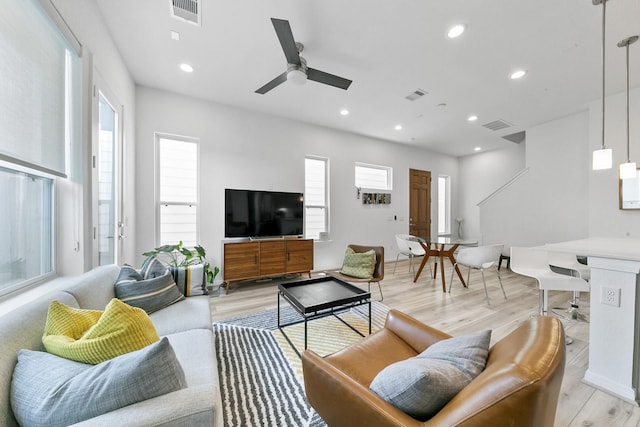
{"type": "Point", "coordinates": [604, 247]}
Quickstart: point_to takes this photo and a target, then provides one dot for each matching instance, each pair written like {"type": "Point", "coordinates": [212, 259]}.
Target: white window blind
{"type": "Point", "coordinates": [38, 70]}
{"type": "Point", "coordinates": [316, 196]}
{"type": "Point", "coordinates": [177, 191]}
{"type": "Point", "coordinates": [373, 177]}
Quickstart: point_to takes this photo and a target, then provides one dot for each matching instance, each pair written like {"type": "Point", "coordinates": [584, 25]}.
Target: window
{"type": "Point", "coordinates": [316, 196]}
{"type": "Point", "coordinates": [177, 182]}
{"type": "Point", "coordinates": [444, 205]}
{"type": "Point", "coordinates": [374, 177]}
{"type": "Point", "coordinates": [40, 91]}
{"type": "Point", "coordinates": [26, 214]}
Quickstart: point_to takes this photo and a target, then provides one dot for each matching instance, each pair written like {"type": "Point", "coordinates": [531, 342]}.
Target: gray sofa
{"type": "Point", "coordinates": [187, 325]}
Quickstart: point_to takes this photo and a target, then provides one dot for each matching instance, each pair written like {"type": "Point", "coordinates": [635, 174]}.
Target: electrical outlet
{"type": "Point", "coordinates": [610, 296]}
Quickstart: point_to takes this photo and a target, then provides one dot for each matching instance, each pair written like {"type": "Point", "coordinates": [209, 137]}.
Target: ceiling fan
{"type": "Point", "coordinates": [297, 70]}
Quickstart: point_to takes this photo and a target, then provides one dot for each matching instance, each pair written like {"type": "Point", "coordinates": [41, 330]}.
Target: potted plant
{"type": "Point", "coordinates": [178, 257]}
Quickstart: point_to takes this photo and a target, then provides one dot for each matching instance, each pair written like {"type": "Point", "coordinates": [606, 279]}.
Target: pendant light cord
{"type": "Point", "coordinates": [628, 156]}
{"type": "Point", "coordinates": [604, 14]}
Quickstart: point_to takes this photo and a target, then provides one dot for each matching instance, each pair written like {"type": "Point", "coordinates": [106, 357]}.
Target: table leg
{"type": "Point", "coordinates": [305, 333]}
{"type": "Point", "coordinates": [425, 258]}
{"type": "Point", "coordinates": [369, 317]}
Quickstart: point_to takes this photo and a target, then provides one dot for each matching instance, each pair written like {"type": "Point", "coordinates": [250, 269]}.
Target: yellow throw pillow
{"type": "Point", "coordinates": [359, 264]}
{"type": "Point", "coordinates": [93, 336]}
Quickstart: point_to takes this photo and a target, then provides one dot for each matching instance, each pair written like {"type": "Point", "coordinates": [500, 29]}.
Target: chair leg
{"type": "Point", "coordinates": [396, 264]}
{"type": "Point", "coordinates": [484, 282]}
{"type": "Point", "coordinates": [501, 287]}
{"type": "Point", "coordinates": [451, 280]}
{"type": "Point", "coordinates": [379, 287]}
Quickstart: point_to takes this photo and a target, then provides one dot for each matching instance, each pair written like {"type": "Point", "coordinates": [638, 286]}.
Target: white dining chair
{"type": "Point", "coordinates": [408, 248]}
{"type": "Point", "coordinates": [479, 258]}
{"type": "Point", "coordinates": [567, 263]}
{"type": "Point", "coordinates": [535, 263]}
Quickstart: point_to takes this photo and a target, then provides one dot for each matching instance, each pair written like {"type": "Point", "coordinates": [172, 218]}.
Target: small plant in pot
{"type": "Point", "coordinates": [183, 262]}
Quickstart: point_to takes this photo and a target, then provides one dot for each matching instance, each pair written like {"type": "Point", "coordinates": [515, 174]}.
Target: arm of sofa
{"type": "Point", "coordinates": [416, 334]}
{"type": "Point", "coordinates": [341, 401]}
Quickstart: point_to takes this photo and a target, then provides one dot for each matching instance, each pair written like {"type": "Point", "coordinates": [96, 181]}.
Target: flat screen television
{"type": "Point", "coordinates": [250, 213]}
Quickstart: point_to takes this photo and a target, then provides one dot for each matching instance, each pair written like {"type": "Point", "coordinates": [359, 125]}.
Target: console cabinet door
{"type": "Point", "coordinates": [272, 258]}
{"type": "Point", "coordinates": [299, 256]}
{"type": "Point", "coordinates": [241, 260]}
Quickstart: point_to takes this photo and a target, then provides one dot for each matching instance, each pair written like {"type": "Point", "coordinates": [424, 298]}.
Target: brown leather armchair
{"type": "Point", "coordinates": [378, 270]}
{"type": "Point", "coordinates": [518, 387]}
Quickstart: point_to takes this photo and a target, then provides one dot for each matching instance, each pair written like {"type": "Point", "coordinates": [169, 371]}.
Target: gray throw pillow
{"type": "Point", "coordinates": [47, 390]}
{"type": "Point", "coordinates": [150, 294]}
{"type": "Point", "coordinates": [422, 385]}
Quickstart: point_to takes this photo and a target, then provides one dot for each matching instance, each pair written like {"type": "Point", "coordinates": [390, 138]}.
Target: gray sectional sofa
{"type": "Point", "coordinates": [186, 324]}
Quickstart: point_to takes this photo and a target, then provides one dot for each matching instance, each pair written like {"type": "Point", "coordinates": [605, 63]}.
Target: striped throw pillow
{"type": "Point", "coordinates": [150, 294]}
{"type": "Point", "coordinates": [190, 280]}
{"type": "Point", "coordinates": [93, 336]}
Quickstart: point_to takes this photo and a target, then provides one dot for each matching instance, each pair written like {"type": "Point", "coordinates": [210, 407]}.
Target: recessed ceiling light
{"type": "Point", "coordinates": [518, 74]}
{"type": "Point", "coordinates": [472, 118]}
{"type": "Point", "coordinates": [175, 35]}
{"type": "Point", "coordinates": [344, 112]}
{"type": "Point", "coordinates": [477, 149]}
{"type": "Point", "coordinates": [186, 68]}
{"type": "Point", "coordinates": [456, 31]}
{"type": "Point", "coordinates": [398, 127]}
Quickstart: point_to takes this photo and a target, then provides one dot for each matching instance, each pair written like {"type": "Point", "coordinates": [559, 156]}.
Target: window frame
{"type": "Point", "coordinates": [446, 215]}
{"type": "Point", "coordinates": [387, 169]}
{"type": "Point", "coordinates": [157, 200]}
{"type": "Point", "coordinates": [326, 207]}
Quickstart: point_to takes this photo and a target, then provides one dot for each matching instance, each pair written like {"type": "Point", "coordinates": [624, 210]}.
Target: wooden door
{"type": "Point", "coordinates": [420, 203]}
{"type": "Point", "coordinates": [299, 255]}
{"type": "Point", "coordinates": [241, 261]}
{"type": "Point", "coordinates": [272, 258]}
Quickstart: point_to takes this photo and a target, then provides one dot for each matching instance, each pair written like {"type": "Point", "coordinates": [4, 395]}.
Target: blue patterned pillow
{"type": "Point", "coordinates": [422, 385]}
{"type": "Point", "coordinates": [150, 294]}
{"type": "Point", "coordinates": [51, 391]}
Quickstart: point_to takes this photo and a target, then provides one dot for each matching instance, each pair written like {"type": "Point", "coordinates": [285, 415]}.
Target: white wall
{"type": "Point", "coordinates": [549, 203]}
{"type": "Point", "coordinates": [480, 175]}
{"type": "Point", "coordinates": [242, 149]}
{"type": "Point", "coordinates": [74, 197]}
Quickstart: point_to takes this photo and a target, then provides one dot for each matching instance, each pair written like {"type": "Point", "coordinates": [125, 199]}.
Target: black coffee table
{"type": "Point", "coordinates": [321, 297]}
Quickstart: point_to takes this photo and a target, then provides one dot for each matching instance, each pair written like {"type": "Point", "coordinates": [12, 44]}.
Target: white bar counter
{"type": "Point", "coordinates": [614, 326]}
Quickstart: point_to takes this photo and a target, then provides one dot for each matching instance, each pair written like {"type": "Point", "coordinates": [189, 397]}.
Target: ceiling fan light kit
{"type": "Point", "coordinates": [297, 70]}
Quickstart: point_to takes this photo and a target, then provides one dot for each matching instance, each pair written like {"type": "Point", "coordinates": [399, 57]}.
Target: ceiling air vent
{"type": "Point", "coordinates": [517, 137]}
{"type": "Point", "coordinates": [186, 10]}
{"type": "Point", "coordinates": [416, 94]}
{"type": "Point", "coordinates": [497, 124]}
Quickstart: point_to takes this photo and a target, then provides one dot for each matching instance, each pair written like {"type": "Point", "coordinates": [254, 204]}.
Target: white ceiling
{"type": "Point", "coordinates": [389, 48]}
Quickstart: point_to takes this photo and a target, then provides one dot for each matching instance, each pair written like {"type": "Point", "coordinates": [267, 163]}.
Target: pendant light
{"type": "Point", "coordinates": [627, 170]}
{"type": "Point", "coordinates": [602, 158]}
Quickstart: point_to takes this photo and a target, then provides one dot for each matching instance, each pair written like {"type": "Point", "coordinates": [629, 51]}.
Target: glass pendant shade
{"type": "Point", "coordinates": [602, 159]}
{"type": "Point", "coordinates": [628, 170]}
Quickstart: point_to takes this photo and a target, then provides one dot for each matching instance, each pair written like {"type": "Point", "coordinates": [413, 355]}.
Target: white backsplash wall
{"type": "Point", "coordinates": [247, 150]}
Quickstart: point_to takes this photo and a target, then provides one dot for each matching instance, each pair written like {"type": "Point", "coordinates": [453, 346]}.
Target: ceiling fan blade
{"type": "Point", "coordinates": [288, 43]}
{"type": "Point", "coordinates": [328, 79]}
{"type": "Point", "coordinates": [273, 83]}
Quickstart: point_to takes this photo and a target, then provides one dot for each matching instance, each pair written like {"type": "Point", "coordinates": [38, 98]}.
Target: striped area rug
{"type": "Point", "coordinates": [261, 375]}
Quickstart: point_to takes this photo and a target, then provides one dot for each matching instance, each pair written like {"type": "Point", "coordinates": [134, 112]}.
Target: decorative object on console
{"type": "Point", "coordinates": [602, 158]}
{"type": "Point", "coordinates": [628, 170]}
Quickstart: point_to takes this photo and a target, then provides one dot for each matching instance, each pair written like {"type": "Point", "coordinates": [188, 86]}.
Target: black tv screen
{"type": "Point", "coordinates": [250, 213]}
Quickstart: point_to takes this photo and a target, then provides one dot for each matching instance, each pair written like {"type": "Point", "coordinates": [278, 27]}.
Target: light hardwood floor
{"type": "Point", "coordinates": [466, 310]}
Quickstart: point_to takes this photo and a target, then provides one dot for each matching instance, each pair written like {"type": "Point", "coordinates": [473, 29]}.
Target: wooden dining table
{"type": "Point", "coordinates": [442, 247]}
